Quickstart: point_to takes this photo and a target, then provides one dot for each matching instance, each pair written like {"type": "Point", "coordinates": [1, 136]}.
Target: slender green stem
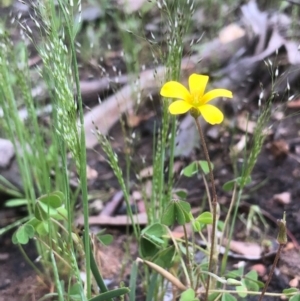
{"type": "Point", "coordinates": [211, 264]}
{"type": "Point", "coordinates": [188, 258]}
{"type": "Point", "coordinates": [225, 256]}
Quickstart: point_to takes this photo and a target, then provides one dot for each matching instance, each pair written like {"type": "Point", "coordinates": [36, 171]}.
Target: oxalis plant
{"type": "Point", "coordinates": [204, 280]}
{"type": "Point", "coordinates": [166, 258]}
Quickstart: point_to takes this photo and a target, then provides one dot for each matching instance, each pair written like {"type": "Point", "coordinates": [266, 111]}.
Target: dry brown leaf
{"type": "Point", "coordinates": [244, 248]}
{"type": "Point", "coordinates": [134, 120]}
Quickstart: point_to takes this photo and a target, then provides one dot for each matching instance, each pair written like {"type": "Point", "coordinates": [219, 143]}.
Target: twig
{"type": "Point", "coordinates": [282, 240]}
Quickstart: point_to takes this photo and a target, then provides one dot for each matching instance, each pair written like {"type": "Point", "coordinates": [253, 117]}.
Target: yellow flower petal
{"type": "Point", "coordinates": [174, 89]}
{"type": "Point", "coordinates": [211, 114]}
{"type": "Point", "coordinates": [197, 84]}
{"type": "Point", "coordinates": [216, 93]}
{"type": "Point", "coordinates": [179, 107]}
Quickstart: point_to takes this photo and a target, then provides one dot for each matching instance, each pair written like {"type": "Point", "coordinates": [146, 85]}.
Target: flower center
{"type": "Point", "coordinates": [196, 100]}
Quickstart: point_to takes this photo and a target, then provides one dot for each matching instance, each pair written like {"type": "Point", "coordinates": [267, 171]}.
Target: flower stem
{"type": "Point", "coordinates": [212, 263]}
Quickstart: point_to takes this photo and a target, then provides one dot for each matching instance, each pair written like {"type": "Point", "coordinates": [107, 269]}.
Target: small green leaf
{"type": "Point", "coordinates": [204, 166]}
{"type": "Point", "coordinates": [42, 228]}
{"type": "Point", "coordinates": [16, 203]}
{"type": "Point", "coordinates": [52, 200]}
{"type": "Point", "coordinates": [228, 297]}
{"type": "Point", "coordinates": [190, 170]}
{"type": "Point", "coordinates": [24, 233]}
{"type": "Point", "coordinates": [289, 291]}
{"type": "Point", "coordinates": [111, 294]}
{"type": "Point", "coordinates": [61, 213]}
{"type": "Point", "coordinates": [105, 239]}
{"type": "Point", "coordinates": [182, 193]}
{"type": "Point", "coordinates": [188, 295]}
{"type": "Point", "coordinates": [165, 257]}
{"type": "Point", "coordinates": [234, 274]}
{"type": "Point", "coordinates": [241, 290]}
{"type": "Point", "coordinates": [152, 240]}
{"type": "Point", "coordinates": [14, 238]}
{"type": "Point", "coordinates": [60, 195]}
{"type": "Point", "coordinates": [234, 282]}
{"type": "Point", "coordinates": [179, 215]}
{"type": "Point", "coordinates": [176, 210]}
{"type": "Point", "coordinates": [250, 280]}
{"type": "Point", "coordinates": [295, 298]}
{"type": "Point", "coordinates": [193, 168]}
{"type": "Point", "coordinates": [183, 210]}
{"type": "Point", "coordinates": [228, 186]}
{"type": "Point", "coordinates": [205, 218]}
{"type": "Point", "coordinates": [214, 296]}
{"type": "Point", "coordinates": [75, 292]}
{"type": "Point", "coordinates": [43, 211]}
{"type": "Point", "coordinates": [168, 215]}
{"type": "Point", "coordinates": [197, 226]}
{"type": "Point", "coordinates": [220, 226]}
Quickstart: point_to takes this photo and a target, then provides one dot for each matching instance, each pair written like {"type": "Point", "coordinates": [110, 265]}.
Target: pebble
{"type": "Point", "coordinates": [6, 152]}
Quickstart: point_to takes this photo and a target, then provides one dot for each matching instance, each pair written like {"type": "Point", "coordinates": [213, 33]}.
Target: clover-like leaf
{"type": "Point", "coordinates": [188, 295]}
{"type": "Point", "coordinates": [228, 186]}
{"type": "Point", "coordinates": [176, 210]}
{"type": "Point", "coordinates": [152, 240]}
{"type": "Point", "coordinates": [53, 199]}
{"type": "Point", "coordinates": [195, 166]}
{"type": "Point", "coordinates": [289, 291]}
{"type": "Point", "coordinates": [205, 218]}
{"type": "Point", "coordinates": [295, 298]}
{"type": "Point", "coordinates": [168, 215]}
{"type": "Point", "coordinates": [105, 239]}
{"type": "Point", "coordinates": [205, 167]}
{"type": "Point", "coordinates": [228, 297]}
{"type": "Point", "coordinates": [191, 169]}
{"type": "Point", "coordinates": [242, 290]}
{"type": "Point", "coordinates": [165, 257]}
{"type": "Point", "coordinates": [24, 233]}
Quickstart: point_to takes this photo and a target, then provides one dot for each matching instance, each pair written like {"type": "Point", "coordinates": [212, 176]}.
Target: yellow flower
{"type": "Point", "coordinates": [195, 99]}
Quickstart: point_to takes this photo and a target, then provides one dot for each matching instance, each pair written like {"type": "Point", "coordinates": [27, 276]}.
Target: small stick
{"type": "Point", "coordinates": [282, 240]}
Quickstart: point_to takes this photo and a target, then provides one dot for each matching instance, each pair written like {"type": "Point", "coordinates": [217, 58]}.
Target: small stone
{"type": "Point", "coordinates": [260, 269]}
{"type": "Point", "coordinates": [283, 198]}
{"type": "Point", "coordinates": [7, 152]}
{"type": "Point", "coordinates": [294, 282]}
{"type": "Point", "coordinates": [213, 133]}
